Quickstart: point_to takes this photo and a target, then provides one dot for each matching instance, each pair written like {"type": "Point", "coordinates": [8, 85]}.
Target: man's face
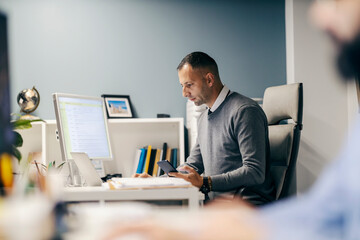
{"type": "Point", "coordinates": [341, 20]}
{"type": "Point", "coordinates": [194, 85]}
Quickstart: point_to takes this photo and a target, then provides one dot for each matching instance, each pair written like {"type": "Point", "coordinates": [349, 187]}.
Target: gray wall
{"type": "Point", "coordinates": [133, 47]}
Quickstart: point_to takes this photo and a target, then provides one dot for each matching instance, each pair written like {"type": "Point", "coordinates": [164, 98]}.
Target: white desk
{"type": "Point", "coordinates": [88, 194]}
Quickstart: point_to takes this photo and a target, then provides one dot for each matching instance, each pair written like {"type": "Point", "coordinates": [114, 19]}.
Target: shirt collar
{"type": "Point", "coordinates": [223, 94]}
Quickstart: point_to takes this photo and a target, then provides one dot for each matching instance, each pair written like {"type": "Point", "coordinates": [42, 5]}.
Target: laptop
{"type": "Point", "coordinates": [86, 168]}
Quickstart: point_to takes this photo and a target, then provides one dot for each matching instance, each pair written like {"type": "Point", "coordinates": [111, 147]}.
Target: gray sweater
{"type": "Point", "coordinates": [233, 149]}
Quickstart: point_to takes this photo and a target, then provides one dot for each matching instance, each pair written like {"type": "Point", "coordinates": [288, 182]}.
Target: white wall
{"type": "Point", "coordinates": [325, 96]}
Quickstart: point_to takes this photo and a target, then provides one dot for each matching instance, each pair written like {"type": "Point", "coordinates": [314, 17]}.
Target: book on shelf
{"type": "Point", "coordinates": [136, 162]}
{"type": "Point", "coordinates": [163, 157]}
{"type": "Point", "coordinates": [168, 154]}
{"type": "Point", "coordinates": [152, 161]}
{"type": "Point", "coordinates": [159, 171]}
{"type": "Point", "coordinates": [147, 160]}
{"type": "Point", "coordinates": [157, 159]}
{"type": "Point", "coordinates": [174, 158]}
{"type": "Point", "coordinates": [141, 160]}
{"type": "Point", "coordinates": [164, 149]}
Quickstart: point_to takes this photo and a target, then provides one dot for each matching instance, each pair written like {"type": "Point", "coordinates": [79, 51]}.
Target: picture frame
{"type": "Point", "coordinates": [118, 106]}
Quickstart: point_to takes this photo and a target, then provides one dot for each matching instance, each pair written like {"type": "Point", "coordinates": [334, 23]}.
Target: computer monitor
{"type": "Point", "coordinates": [82, 127]}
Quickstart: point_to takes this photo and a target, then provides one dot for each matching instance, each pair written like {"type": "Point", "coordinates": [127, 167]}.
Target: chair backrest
{"type": "Point", "coordinates": [283, 106]}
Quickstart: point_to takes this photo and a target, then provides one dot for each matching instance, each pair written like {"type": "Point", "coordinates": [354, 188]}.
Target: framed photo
{"type": "Point", "coordinates": [118, 106]}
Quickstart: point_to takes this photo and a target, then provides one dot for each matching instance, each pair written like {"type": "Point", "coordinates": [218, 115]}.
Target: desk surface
{"type": "Point", "coordinates": [86, 194]}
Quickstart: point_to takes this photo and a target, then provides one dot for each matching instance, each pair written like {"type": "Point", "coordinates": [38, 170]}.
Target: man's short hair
{"type": "Point", "coordinates": [199, 60]}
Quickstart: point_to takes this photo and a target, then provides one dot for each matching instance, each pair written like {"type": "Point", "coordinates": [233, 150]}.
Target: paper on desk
{"type": "Point", "coordinates": [144, 183]}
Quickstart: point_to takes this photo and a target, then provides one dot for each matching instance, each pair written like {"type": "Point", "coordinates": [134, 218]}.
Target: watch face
{"type": "Point", "coordinates": [205, 187]}
{"type": "Point", "coordinates": [205, 181]}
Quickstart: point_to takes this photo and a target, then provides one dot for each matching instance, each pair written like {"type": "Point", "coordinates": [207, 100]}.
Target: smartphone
{"type": "Point", "coordinates": [166, 166]}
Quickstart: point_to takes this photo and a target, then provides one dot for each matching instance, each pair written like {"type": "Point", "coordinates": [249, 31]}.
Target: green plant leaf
{"type": "Point", "coordinates": [21, 124]}
{"type": "Point", "coordinates": [18, 139]}
{"type": "Point", "coordinates": [16, 153]}
{"type": "Point", "coordinates": [24, 123]}
{"type": "Point", "coordinates": [50, 165]}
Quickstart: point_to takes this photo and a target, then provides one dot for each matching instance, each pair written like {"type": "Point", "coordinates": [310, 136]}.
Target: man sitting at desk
{"type": "Point", "coordinates": [232, 148]}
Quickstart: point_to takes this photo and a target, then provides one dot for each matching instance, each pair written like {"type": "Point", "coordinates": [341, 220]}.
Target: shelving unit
{"type": "Point", "coordinates": [126, 135]}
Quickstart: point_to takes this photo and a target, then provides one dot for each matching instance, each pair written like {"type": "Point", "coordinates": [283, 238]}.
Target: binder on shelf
{"type": "Point", "coordinates": [164, 150]}
{"type": "Point", "coordinates": [147, 161]}
{"type": "Point", "coordinates": [174, 157]}
{"type": "Point", "coordinates": [141, 160]}
{"type": "Point", "coordinates": [152, 161]}
{"type": "Point", "coordinates": [168, 154]}
{"type": "Point", "coordinates": [157, 158]}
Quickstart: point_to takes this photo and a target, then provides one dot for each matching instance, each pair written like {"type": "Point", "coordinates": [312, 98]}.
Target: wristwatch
{"type": "Point", "coordinates": [206, 187]}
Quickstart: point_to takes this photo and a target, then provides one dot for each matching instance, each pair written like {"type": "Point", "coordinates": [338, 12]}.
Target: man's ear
{"type": "Point", "coordinates": [210, 79]}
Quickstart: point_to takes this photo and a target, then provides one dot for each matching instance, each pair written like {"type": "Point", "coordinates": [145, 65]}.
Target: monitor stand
{"type": "Point", "coordinates": [74, 175]}
{"type": "Point", "coordinates": [77, 178]}
{"type": "Point", "coordinates": [99, 167]}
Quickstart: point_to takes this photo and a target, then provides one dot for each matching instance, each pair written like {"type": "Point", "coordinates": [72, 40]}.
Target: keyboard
{"type": "Point", "coordinates": [153, 182]}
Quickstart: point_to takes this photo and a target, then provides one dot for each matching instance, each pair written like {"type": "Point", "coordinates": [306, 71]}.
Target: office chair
{"type": "Point", "coordinates": [283, 106]}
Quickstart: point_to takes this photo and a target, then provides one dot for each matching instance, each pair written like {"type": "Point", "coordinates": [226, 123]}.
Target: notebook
{"type": "Point", "coordinates": [86, 168]}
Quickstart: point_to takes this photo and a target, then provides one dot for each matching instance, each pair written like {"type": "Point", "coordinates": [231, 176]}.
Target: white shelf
{"type": "Point", "coordinates": [126, 135]}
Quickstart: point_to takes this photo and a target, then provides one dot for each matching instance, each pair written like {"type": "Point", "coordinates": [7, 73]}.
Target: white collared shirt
{"type": "Point", "coordinates": [223, 94]}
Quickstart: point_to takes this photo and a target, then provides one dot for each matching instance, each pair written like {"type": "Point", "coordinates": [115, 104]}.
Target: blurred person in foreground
{"type": "Point", "coordinates": [330, 210]}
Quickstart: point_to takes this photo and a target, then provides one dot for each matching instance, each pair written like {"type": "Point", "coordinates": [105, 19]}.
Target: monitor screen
{"type": "Point", "coordinates": [82, 126]}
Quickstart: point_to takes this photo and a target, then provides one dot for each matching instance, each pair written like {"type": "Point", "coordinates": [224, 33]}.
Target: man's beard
{"type": "Point", "coordinates": [348, 60]}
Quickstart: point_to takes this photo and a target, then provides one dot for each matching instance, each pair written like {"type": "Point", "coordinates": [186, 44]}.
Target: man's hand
{"type": "Point", "coordinates": [141, 175]}
{"type": "Point", "coordinates": [192, 176]}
